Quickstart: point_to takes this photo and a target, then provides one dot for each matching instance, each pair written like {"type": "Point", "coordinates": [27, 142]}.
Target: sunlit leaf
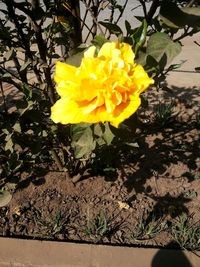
{"type": "Point", "coordinates": [5, 198]}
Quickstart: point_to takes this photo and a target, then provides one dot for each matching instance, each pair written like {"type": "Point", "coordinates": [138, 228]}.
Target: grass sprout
{"type": "Point", "coordinates": [146, 230]}
{"type": "Point", "coordinates": [186, 234]}
{"type": "Point", "coordinates": [98, 227]}
{"type": "Point", "coordinates": [163, 113]}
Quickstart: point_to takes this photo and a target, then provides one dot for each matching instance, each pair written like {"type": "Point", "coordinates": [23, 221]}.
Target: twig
{"type": "Point", "coordinates": [18, 86]}
{"type": "Point", "coordinates": [42, 51]}
{"type": "Point", "coordinates": [197, 43]}
{"type": "Point", "coordinates": [190, 3]}
{"type": "Point", "coordinates": [142, 2]}
{"type": "Point", "coordinates": [25, 42]}
{"type": "Point", "coordinates": [4, 99]}
{"type": "Point", "coordinates": [57, 160]}
{"type": "Point", "coordinates": [93, 17]}
{"type": "Point", "coordinates": [122, 12]}
{"type": "Point", "coordinates": [152, 10]}
{"type": "Point", "coordinates": [186, 33]}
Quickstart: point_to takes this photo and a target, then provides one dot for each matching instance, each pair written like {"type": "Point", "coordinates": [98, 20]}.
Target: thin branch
{"type": "Point", "coordinates": [4, 99]}
{"type": "Point", "coordinates": [22, 37]}
{"type": "Point", "coordinates": [17, 85]}
{"type": "Point", "coordinates": [190, 3]}
{"type": "Point", "coordinates": [152, 10]}
{"type": "Point", "coordinates": [142, 2]}
{"type": "Point", "coordinates": [57, 159]}
{"type": "Point", "coordinates": [93, 17]}
{"type": "Point", "coordinates": [122, 12]}
{"type": "Point", "coordinates": [186, 33]}
{"type": "Point", "coordinates": [85, 16]}
{"type": "Point", "coordinates": [42, 51]}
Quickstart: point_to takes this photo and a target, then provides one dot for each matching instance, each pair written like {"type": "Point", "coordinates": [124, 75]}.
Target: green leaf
{"type": "Point", "coordinates": [5, 198]}
{"type": "Point", "coordinates": [17, 127]}
{"type": "Point", "coordinates": [98, 131]}
{"type": "Point", "coordinates": [132, 144]}
{"type": "Point", "coordinates": [128, 28]}
{"type": "Point", "coordinates": [25, 65]}
{"type": "Point", "coordinates": [197, 69]}
{"type": "Point", "coordinates": [27, 91]}
{"type": "Point", "coordinates": [108, 135]}
{"type": "Point", "coordinates": [139, 36]}
{"type": "Point", "coordinates": [113, 28]}
{"type": "Point", "coordinates": [14, 163]}
{"type": "Point", "coordinates": [83, 141]}
{"type": "Point", "coordinates": [75, 60]}
{"type": "Point", "coordinates": [7, 75]}
{"type": "Point", "coordinates": [174, 66]}
{"type": "Point", "coordinates": [160, 46]}
{"type": "Point", "coordinates": [8, 55]}
{"type": "Point", "coordinates": [175, 17]}
{"type": "Point", "coordinates": [99, 40]}
{"type": "Point", "coordinates": [9, 145]}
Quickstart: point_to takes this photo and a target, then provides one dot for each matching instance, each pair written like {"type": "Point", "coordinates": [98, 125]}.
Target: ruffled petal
{"type": "Point", "coordinates": [90, 52]}
{"type": "Point", "coordinates": [125, 110]}
{"type": "Point", "coordinates": [141, 79]}
{"type": "Point", "coordinates": [66, 111]}
{"type": "Point", "coordinates": [64, 72]}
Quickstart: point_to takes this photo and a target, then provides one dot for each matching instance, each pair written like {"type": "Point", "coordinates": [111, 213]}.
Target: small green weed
{"type": "Point", "coordinates": [146, 230]}
{"type": "Point", "coordinates": [97, 227]}
{"type": "Point", "coordinates": [186, 234]}
{"type": "Point", "coordinates": [163, 113]}
{"type": "Point", "coordinates": [53, 225]}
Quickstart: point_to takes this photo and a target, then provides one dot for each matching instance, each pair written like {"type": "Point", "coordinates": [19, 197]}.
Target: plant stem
{"type": "Point", "coordinates": [4, 99]}
{"type": "Point", "coordinates": [57, 159]}
{"type": "Point", "coordinates": [152, 10]}
{"type": "Point", "coordinates": [42, 51]}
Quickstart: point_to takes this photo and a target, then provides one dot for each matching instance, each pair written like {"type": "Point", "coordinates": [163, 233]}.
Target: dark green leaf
{"type": "Point", "coordinates": [27, 91]}
{"type": "Point", "coordinates": [75, 60]}
{"type": "Point", "coordinates": [139, 36]}
{"type": "Point", "coordinates": [82, 141]}
{"type": "Point", "coordinates": [113, 28]}
{"type": "Point", "coordinates": [197, 69]}
{"type": "Point", "coordinates": [176, 17]}
{"type": "Point", "coordinates": [25, 65]}
{"type": "Point", "coordinates": [128, 28]}
{"type": "Point", "coordinates": [160, 44]}
{"type": "Point", "coordinates": [14, 163]}
{"type": "Point", "coordinates": [108, 135]}
{"type": "Point", "coordinates": [99, 40]}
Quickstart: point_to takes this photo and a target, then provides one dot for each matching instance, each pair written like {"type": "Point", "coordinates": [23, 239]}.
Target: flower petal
{"type": "Point", "coordinates": [64, 72]}
{"type": "Point", "coordinates": [90, 52]}
{"type": "Point", "coordinates": [125, 110]}
{"type": "Point", "coordinates": [141, 79]}
{"type": "Point", "coordinates": [66, 111]}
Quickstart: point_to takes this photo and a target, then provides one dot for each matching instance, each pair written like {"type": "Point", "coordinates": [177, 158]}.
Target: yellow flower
{"type": "Point", "coordinates": [103, 88]}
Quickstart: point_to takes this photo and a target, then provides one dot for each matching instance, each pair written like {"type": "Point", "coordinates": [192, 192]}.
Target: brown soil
{"type": "Point", "coordinates": [153, 187]}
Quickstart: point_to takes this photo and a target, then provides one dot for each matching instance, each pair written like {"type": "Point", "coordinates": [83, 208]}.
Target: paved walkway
{"type": "Point", "coordinates": [190, 56]}
{"type": "Point", "coordinates": [32, 253]}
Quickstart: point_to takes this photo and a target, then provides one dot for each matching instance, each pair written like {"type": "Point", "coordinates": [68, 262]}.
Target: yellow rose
{"type": "Point", "coordinates": [103, 88]}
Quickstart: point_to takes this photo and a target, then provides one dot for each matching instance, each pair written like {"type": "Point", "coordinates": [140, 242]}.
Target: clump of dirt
{"type": "Point", "coordinates": [157, 184]}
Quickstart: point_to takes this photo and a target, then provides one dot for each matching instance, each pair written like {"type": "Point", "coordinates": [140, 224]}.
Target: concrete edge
{"type": "Point", "coordinates": [32, 253]}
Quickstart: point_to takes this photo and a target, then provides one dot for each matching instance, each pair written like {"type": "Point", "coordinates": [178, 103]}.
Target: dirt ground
{"type": "Point", "coordinates": [150, 197]}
